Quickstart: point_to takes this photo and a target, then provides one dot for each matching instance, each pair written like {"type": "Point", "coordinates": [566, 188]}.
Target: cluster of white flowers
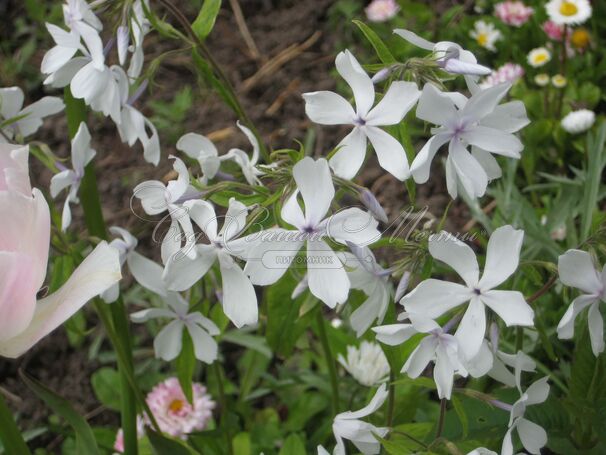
{"type": "Point", "coordinates": [335, 243]}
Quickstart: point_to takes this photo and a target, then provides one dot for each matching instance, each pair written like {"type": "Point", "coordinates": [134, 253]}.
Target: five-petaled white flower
{"type": "Point", "coordinates": [347, 425]}
{"type": "Point", "coordinates": [20, 120]}
{"type": "Point", "coordinates": [168, 342]}
{"type": "Point", "coordinates": [249, 167]}
{"type": "Point", "coordinates": [329, 108]}
{"type": "Point", "coordinates": [451, 57]}
{"type": "Point", "coordinates": [145, 271]}
{"type": "Point", "coordinates": [478, 121]}
{"type": "Point", "coordinates": [532, 436]}
{"type": "Point", "coordinates": [432, 298]}
{"type": "Point", "coordinates": [157, 198]}
{"type": "Point", "coordinates": [273, 250]}
{"type": "Point", "coordinates": [202, 149]}
{"type": "Point", "coordinates": [438, 346]}
{"type": "Point", "coordinates": [368, 276]}
{"type": "Point", "coordinates": [577, 270]}
{"type": "Point", "coordinates": [81, 154]}
{"type": "Point", "coordinates": [239, 298]}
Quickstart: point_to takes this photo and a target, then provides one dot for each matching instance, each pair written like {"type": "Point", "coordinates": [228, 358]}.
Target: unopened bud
{"type": "Point", "coordinates": [381, 75]}
{"type": "Point", "coordinates": [370, 202]}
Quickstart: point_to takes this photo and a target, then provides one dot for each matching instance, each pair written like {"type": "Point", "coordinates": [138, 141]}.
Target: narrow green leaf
{"type": "Point", "coordinates": [163, 445]}
{"type": "Point", "coordinates": [254, 342]}
{"type": "Point", "coordinates": [85, 440]}
{"type": "Point", "coordinates": [461, 414]}
{"type": "Point", "coordinates": [9, 433]}
{"type": "Point", "coordinates": [593, 177]}
{"type": "Point", "coordinates": [379, 46]}
{"type": "Point", "coordinates": [207, 16]}
{"type": "Point", "coordinates": [185, 364]}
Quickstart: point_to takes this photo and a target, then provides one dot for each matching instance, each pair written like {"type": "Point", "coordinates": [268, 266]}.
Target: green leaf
{"type": "Point", "coordinates": [307, 406]}
{"type": "Point", "coordinates": [106, 385]}
{"type": "Point", "coordinates": [379, 46]}
{"type": "Point", "coordinates": [185, 364]}
{"type": "Point", "coordinates": [163, 445]}
{"type": "Point", "coordinates": [85, 440]}
{"type": "Point", "coordinates": [293, 445]}
{"type": "Point", "coordinates": [596, 160]}
{"type": "Point", "coordinates": [10, 435]}
{"type": "Point", "coordinates": [207, 16]}
{"type": "Point", "coordinates": [460, 410]}
{"type": "Point", "coordinates": [407, 439]}
{"type": "Point", "coordinates": [241, 444]}
{"type": "Point", "coordinates": [254, 342]}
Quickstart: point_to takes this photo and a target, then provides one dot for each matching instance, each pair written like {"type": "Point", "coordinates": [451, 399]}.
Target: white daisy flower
{"type": "Point", "coordinates": [578, 121]}
{"type": "Point", "coordinates": [568, 12]}
{"type": "Point", "coordinates": [559, 81]}
{"type": "Point", "coordinates": [486, 35]}
{"type": "Point", "coordinates": [542, 80]}
{"type": "Point", "coordinates": [538, 57]}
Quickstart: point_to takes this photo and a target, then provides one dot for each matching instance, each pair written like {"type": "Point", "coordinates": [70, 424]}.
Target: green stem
{"type": "Point", "coordinates": [93, 216]}
{"type": "Point", "coordinates": [223, 406]}
{"type": "Point", "coordinates": [519, 338]}
{"type": "Point", "coordinates": [330, 362]}
{"type": "Point", "coordinates": [9, 432]}
{"type": "Point", "coordinates": [205, 53]}
{"type": "Point", "coordinates": [391, 399]}
{"type": "Point", "coordinates": [441, 419]}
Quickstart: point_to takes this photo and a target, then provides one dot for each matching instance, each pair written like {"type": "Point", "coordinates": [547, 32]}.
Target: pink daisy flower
{"type": "Point", "coordinates": [513, 13]}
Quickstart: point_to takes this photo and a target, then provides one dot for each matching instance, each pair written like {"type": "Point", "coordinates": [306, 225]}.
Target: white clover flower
{"type": "Point", "coordinates": [168, 342]}
{"type": "Point", "coordinates": [438, 346]}
{"type": "Point", "coordinates": [538, 57]}
{"type": "Point", "coordinates": [485, 34]}
{"type": "Point", "coordinates": [272, 251]}
{"type": "Point", "coordinates": [347, 425]}
{"type": "Point", "coordinates": [451, 57]}
{"type": "Point", "coordinates": [367, 364]}
{"type": "Point", "coordinates": [157, 198]}
{"type": "Point", "coordinates": [381, 10]}
{"type": "Point", "coordinates": [368, 276]}
{"type": "Point", "coordinates": [432, 298]}
{"type": "Point", "coordinates": [568, 12]}
{"type": "Point", "coordinates": [559, 81]}
{"type": "Point", "coordinates": [532, 436]}
{"type": "Point", "coordinates": [542, 79]}
{"type": "Point", "coordinates": [239, 298]}
{"type": "Point", "coordinates": [577, 270]}
{"type": "Point", "coordinates": [329, 108]}
{"type": "Point", "coordinates": [478, 121]}
{"type": "Point", "coordinates": [81, 154]}
{"type": "Point", "coordinates": [579, 121]}
{"type": "Point", "coordinates": [23, 121]}
{"type": "Point", "coordinates": [145, 271]}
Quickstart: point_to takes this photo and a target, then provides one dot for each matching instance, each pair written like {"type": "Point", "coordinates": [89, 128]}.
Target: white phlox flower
{"type": "Point", "coordinates": [273, 250]}
{"type": "Point", "coordinates": [479, 122]}
{"type": "Point", "coordinates": [347, 425]}
{"type": "Point", "coordinates": [24, 121]}
{"type": "Point", "coordinates": [168, 342]}
{"type": "Point", "coordinates": [201, 149]}
{"type": "Point", "coordinates": [249, 165]}
{"type": "Point", "coordinates": [532, 436]}
{"type": "Point", "coordinates": [451, 57]}
{"type": "Point", "coordinates": [438, 346]}
{"type": "Point", "coordinates": [432, 298]}
{"type": "Point", "coordinates": [367, 275]}
{"type": "Point", "coordinates": [367, 363]}
{"type": "Point", "coordinates": [145, 271]}
{"type": "Point", "coordinates": [577, 270]}
{"type": "Point", "coordinates": [81, 155]}
{"type": "Point", "coordinates": [76, 12]}
{"type": "Point", "coordinates": [329, 108]}
{"type": "Point", "coordinates": [157, 198]}
{"type": "Point", "coordinates": [239, 297]}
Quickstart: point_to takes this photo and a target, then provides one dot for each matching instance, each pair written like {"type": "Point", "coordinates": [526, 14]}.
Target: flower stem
{"type": "Point", "coordinates": [223, 405]}
{"type": "Point", "coordinates": [330, 362]}
{"type": "Point", "coordinates": [441, 418]}
{"type": "Point", "coordinates": [93, 216]}
{"type": "Point", "coordinates": [9, 432]}
{"type": "Point", "coordinates": [391, 399]}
